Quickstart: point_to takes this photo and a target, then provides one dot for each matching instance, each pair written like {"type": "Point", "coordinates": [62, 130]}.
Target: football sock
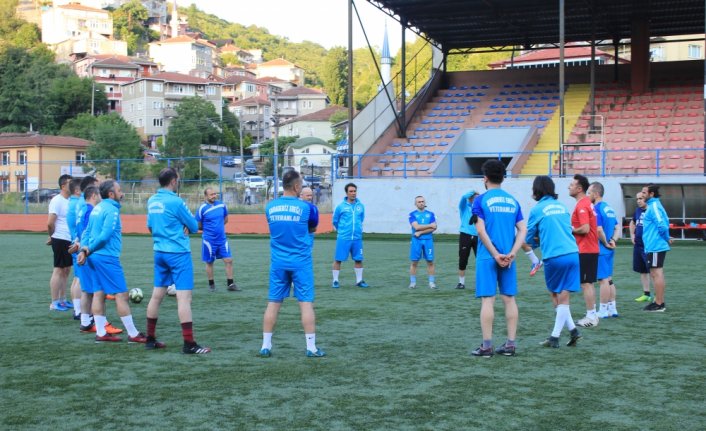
{"type": "Point", "coordinates": [604, 307]}
{"type": "Point", "coordinates": [413, 279]}
{"type": "Point", "coordinates": [129, 325]}
{"type": "Point", "coordinates": [462, 279]}
{"type": "Point", "coordinates": [101, 321]}
{"type": "Point", "coordinates": [267, 340]}
{"type": "Point", "coordinates": [510, 343]}
{"type": "Point", "coordinates": [358, 275]}
{"type": "Point", "coordinates": [151, 327]}
{"type": "Point", "coordinates": [591, 313]}
{"type": "Point", "coordinates": [646, 293]}
{"type": "Point", "coordinates": [563, 311]}
{"type": "Point", "coordinates": [211, 283]}
{"type": "Point", "coordinates": [532, 257]}
{"type": "Point", "coordinates": [432, 279]}
{"type": "Point", "coordinates": [77, 306]}
{"type": "Point", "coordinates": [487, 344]}
{"type": "Point", "coordinates": [229, 281]}
{"type": "Point", "coordinates": [311, 342]}
{"type": "Point", "coordinates": [85, 319]}
{"type": "Point", "coordinates": [335, 274]}
{"type": "Point", "coordinates": [187, 331]}
{"type": "Point", "coordinates": [558, 322]}
{"type": "Point", "coordinates": [612, 307]}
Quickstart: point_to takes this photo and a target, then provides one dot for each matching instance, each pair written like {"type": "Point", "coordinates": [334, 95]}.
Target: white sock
{"type": "Point", "coordinates": [558, 322]}
{"type": "Point", "coordinates": [85, 319]}
{"type": "Point", "coordinates": [462, 279]}
{"type": "Point", "coordinates": [604, 307]}
{"type": "Point", "coordinates": [612, 307]}
{"type": "Point", "coordinates": [335, 274]}
{"type": "Point", "coordinates": [267, 340]}
{"type": "Point", "coordinates": [77, 306]}
{"type": "Point", "coordinates": [129, 325]}
{"type": "Point", "coordinates": [358, 275]}
{"type": "Point", "coordinates": [311, 342]}
{"type": "Point", "coordinates": [532, 257]}
{"type": "Point", "coordinates": [591, 313]}
{"type": "Point", "coordinates": [568, 319]}
{"type": "Point", "coordinates": [100, 321]}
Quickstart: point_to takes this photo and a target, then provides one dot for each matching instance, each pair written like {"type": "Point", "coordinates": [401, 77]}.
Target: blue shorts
{"type": "Point", "coordinates": [173, 268]}
{"type": "Point", "coordinates": [562, 273]}
{"type": "Point", "coordinates": [490, 277]}
{"type": "Point", "coordinates": [346, 247]}
{"type": "Point", "coordinates": [210, 252]}
{"type": "Point", "coordinates": [639, 260]}
{"type": "Point", "coordinates": [108, 275]}
{"type": "Point", "coordinates": [421, 248]}
{"type": "Point", "coordinates": [605, 265]}
{"type": "Point", "coordinates": [281, 281]}
{"type": "Point", "coordinates": [88, 283]}
{"type": "Point", "coordinates": [77, 267]}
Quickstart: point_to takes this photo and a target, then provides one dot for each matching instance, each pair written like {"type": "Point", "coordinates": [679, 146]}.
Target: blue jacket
{"type": "Point", "coordinates": [348, 219]}
{"type": "Point", "coordinates": [71, 216]}
{"type": "Point", "coordinates": [167, 215]}
{"type": "Point", "coordinates": [465, 210]}
{"type": "Point", "coordinates": [655, 227]}
{"type": "Point", "coordinates": [550, 221]}
{"type": "Point", "coordinates": [104, 232]}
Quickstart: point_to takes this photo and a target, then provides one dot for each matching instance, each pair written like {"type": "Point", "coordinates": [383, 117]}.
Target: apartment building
{"type": "Point", "coordinates": [185, 55]}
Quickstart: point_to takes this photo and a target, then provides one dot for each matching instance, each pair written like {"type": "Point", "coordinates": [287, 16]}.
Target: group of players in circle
{"type": "Point", "coordinates": [577, 250]}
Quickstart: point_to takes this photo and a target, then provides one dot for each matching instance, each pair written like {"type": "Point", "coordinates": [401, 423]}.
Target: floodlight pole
{"type": "Point", "coordinates": [275, 123]}
{"type": "Point", "coordinates": [561, 87]}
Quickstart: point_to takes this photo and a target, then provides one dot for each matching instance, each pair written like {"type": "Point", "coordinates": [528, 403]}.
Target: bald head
{"type": "Point", "coordinates": [306, 194]}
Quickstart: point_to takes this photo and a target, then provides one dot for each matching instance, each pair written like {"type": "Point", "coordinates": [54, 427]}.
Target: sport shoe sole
{"type": "Point", "coordinates": [317, 354]}
{"type": "Point", "coordinates": [587, 322]}
{"type": "Point", "coordinates": [154, 345]}
{"type": "Point", "coordinates": [108, 339]}
{"type": "Point", "coordinates": [573, 341]}
{"type": "Point", "coordinates": [550, 342]}
{"type": "Point", "coordinates": [265, 353]}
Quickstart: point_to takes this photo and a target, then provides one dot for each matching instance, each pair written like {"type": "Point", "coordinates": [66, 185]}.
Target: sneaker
{"type": "Point", "coordinates": [575, 337]}
{"type": "Point", "coordinates": [432, 285]}
{"type": "Point", "coordinates": [603, 314]}
{"type": "Point", "coordinates": [460, 286]}
{"type": "Point", "coordinates": [265, 353]}
{"type": "Point", "coordinates": [613, 313]}
{"type": "Point", "coordinates": [58, 307]}
{"type": "Point", "coordinates": [151, 343]}
{"type": "Point", "coordinates": [87, 329]}
{"type": "Point", "coordinates": [211, 287]}
{"type": "Point", "coordinates": [550, 342]}
{"type": "Point", "coordinates": [655, 308]}
{"type": "Point", "coordinates": [139, 338]}
{"type": "Point", "coordinates": [483, 353]}
{"type": "Point", "coordinates": [195, 349]}
{"type": "Point", "coordinates": [77, 316]}
{"type": "Point", "coordinates": [67, 303]}
{"type": "Point", "coordinates": [110, 297]}
{"type": "Point", "coordinates": [587, 322]}
{"type": "Point", "coordinates": [536, 267]}
{"type": "Point", "coordinates": [643, 298]}
{"type": "Point", "coordinates": [412, 285]}
{"type": "Point", "coordinates": [362, 284]}
{"type": "Point", "coordinates": [112, 330]}
{"type": "Point", "coordinates": [234, 288]}
{"type": "Point", "coordinates": [317, 354]}
{"type": "Point", "coordinates": [336, 284]}
{"type": "Point", "coordinates": [505, 350]}
{"type": "Point", "coordinates": [107, 338]}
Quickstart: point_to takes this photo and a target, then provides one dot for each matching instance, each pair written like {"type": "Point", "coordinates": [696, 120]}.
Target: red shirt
{"type": "Point", "coordinates": [583, 213]}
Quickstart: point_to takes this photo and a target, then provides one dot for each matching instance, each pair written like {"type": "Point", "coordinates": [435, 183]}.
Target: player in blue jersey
{"type": "Point", "coordinates": [655, 235]}
{"type": "Point", "coordinates": [549, 228]}
{"type": "Point", "coordinates": [639, 259]}
{"type": "Point", "coordinates": [101, 248]}
{"type": "Point", "coordinates": [468, 236]}
{"type": "Point", "coordinates": [74, 197]}
{"type": "Point", "coordinates": [291, 221]}
{"type": "Point", "coordinates": [212, 217]}
{"type": "Point", "coordinates": [348, 221]}
{"type": "Point", "coordinates": [502, 231]}
{"type": "Point", "coordinates": [170, 222]}
{"type": "Point", "coordinates": [608, 235]}
{"type": "Point", "coordinates": [307, 195]}
{"type": "Point", "coordinates": [423, 225]}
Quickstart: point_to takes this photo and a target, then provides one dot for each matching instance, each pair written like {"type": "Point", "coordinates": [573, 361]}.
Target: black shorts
{"type": "Point", "coordinates": [466, 243]}
{"type": "Point", "coordinates": [639, 260]}
{"type": "Point", "coordinates": [62, 257]}
{"type": "Point", "coordinates": [656, 259]}
{"type": "Point", "coordinates": [588, 263]}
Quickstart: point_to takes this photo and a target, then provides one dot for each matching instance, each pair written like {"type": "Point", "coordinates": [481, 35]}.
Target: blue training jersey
{"type": "Point", "coordinates": [71, 216]}
{"type": "Point", "coordinates": [167, 215]}
{"type": "Point", "coordinates": [550, 221]}
{"type": "Point", "coordinates": [655, 227]}
{"type": "Point", "coordinates": [465, 210]}
{"type": "Point", "coordinates": [212, 218]}
{"type": "Point", "coordinates": [500, 212]}
{"type": "Point", "coordinates": [422, 217]}
{"type": "Point", "coordinates": [348, 219]}
{"type": "Point", "coordinates": [605, 218]}
{"type": "Point", "coordinates": [637, 219]}
{"type": "Point", "coordinates": [290, 221]}
{"type": "Point", "coordinates": [104, 230]}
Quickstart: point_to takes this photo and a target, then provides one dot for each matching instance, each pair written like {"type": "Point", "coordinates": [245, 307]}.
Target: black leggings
{"type": "Point", "coordinates": [466, 243]}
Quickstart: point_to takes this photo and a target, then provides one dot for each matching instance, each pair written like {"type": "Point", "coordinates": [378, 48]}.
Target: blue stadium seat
{"type": "Point", "coordinates": [396, 144]}
{"type": "Point", "coordinates": [465, 114]}
{"type": "Point", "coordinates": [450, 136]}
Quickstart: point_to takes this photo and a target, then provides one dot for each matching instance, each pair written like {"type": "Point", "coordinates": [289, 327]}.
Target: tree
{"type": "Point", "coordinates": [335, 75]}
{"type": "Point", "coordinates": [129, 24]}
{"type": "Point", "coordinates": [71, 96]}
{"type": "Point", "coordinates": [338, 132]}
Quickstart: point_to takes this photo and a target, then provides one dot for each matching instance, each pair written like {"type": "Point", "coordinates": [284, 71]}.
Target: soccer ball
{"type": "Point", "coordinates": [171, 290]}
{"type": "Point", "coordinates": [136, 295]}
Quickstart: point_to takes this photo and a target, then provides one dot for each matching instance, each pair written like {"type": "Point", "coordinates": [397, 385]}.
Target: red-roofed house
{"type": "Point", "coordinates": [32, 160]}
{"type": "Point", "coordinates": [149, 103]}
{"type": "Point", "coordinates": [282, 69]}
{"type": "Point", "coordinates": [299, 101]}
{"type": "Point", "coordinates": [184, 54]}
{"type": "Point", "coordinates": [254, 115]}
{"type": "Point", "coordinates": [573, 56]}
{"type": "Point", "coordinates": [243, 87]}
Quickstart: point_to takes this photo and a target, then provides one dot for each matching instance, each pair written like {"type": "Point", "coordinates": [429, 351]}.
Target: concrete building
{"type": "Point", "coordinates": [185, 55]}
{"type": "Point", "coordinates": [254, 114]}
{"type": "Point", "coordinates": [316, 124]}
{"type": "Point", "coordinates": [299, 101]}
{"type": "Point", "coordinates": [282, 69]}
{"type": "Point", "coordinates": [309, 152]}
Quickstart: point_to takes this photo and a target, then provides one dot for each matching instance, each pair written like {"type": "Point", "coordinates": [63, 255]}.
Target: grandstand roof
{"type": "Point", "coordinates": [457, 24]}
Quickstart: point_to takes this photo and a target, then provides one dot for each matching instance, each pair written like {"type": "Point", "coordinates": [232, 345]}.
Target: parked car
{"type": "Point", "coordinates": [313, 180]}
{"type": "Point", "coordinates": [228, 162]}
{"type": "Point", "coordinates": [255, 182]}
{"type": "Point", "coordinates": [250, 168]}
{"type": "Point", "coordinates": [41, 195]}
{"type": "Point", "coordinates": [239, 177]}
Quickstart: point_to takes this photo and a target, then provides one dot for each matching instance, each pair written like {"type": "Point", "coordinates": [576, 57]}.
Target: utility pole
{"type": "Point", "coordinates": [93, 97]}
{"type": "Point", "coordinates": [275, 123]}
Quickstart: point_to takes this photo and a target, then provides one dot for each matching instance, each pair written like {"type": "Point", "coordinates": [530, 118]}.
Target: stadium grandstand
{"type": "Point", "coordinates": [570, 104]}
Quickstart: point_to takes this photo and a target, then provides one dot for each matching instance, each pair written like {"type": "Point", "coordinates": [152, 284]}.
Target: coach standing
{"type": "Point", "coordinates": [348, 222]}
{"type": "Point", "coordinates": [655, 234]}
{"type": "Point", "coordinates": [170, 222]}
{"type": "Point", "coordinates": [468, 236]}
{"type": "Point", "coordinates": [212, 217]}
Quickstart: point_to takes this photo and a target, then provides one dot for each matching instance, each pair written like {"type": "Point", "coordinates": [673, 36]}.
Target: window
{"type": "Point", "coordinates": [211, 90]}
{"type": "Point", "coordinates": [157, 105]}
{"type": "Point", "coordinates": [21, 184]}
{"type": "Point", "coordinates": [306, 104]}
{"type": "Point", "coordinates": [21, 157]}
{"type": "Point", "coordinates": [80, 157]}
{"type": "Point", "coordinates": [657, 53]}
{"type": "Point", "coordinates": [5, 185]}
{"type": "Point", "coordinates": [139, 106]}
{"type": "Point", "coordinates": [5, 158]}
{"type": "Point", "coordinates": [694, 51]}
{"type": "Point", "coordinates": [157, 122]}
{"type": "Point", "coordinates": [157, 87]}
{"type": "Point", "coordinates": [139, 122]}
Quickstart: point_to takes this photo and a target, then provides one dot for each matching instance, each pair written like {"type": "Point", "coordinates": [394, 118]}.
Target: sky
{"type": "Point", "coordinates": [322, 21]}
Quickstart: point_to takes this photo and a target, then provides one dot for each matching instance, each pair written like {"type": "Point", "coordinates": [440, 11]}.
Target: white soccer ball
{"type": "Point", "coordinates": [136, 295]}
{"type": "Point", "coordinates": [171, 290]}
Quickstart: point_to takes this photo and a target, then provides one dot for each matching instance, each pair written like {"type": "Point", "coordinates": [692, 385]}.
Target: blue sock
{"type": "Point", "coordinates": [510, 343]}
{"type": "Point", "coordinates": [413, 279]}
{"type": "Point", "coordinates": [432, 279]}
{"type": "Point", "coordinates": [487, 344]}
